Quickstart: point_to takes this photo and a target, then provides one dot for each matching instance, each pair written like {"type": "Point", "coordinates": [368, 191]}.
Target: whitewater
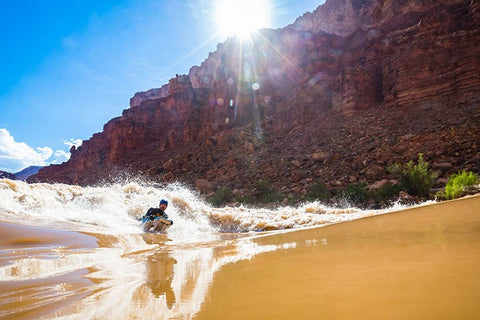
{"type": "Point", "coordinates": [124, 273]}
{"type": "Point", "coordinates": [114, 209]}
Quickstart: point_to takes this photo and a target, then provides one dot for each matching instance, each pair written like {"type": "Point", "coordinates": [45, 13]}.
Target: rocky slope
{"type": "Point", "coordinates": [335, 97]}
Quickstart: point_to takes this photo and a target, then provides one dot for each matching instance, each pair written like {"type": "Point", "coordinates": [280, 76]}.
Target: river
{"type": "Point", "coordinates": [70, 252]}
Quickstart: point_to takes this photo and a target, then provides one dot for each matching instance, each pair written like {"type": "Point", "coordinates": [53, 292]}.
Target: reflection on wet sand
{"type": "Point", "coordinates": [36, 274]}
{"type": "Point", "coordinates": [106, 279]}
{"type": "Point", "coordinates": [159, 276]}
{"type": "Point", "coordinates": [179, 281]}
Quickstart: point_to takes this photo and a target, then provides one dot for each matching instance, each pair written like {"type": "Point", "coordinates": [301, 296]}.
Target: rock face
{"type": "Point", "coordinates": [151, 94]}
{"type": "Point", "coordinates": [335, 97]}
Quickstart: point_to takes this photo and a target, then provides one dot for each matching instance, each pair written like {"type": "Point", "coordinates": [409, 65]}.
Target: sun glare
{"type": "Point", "coordinates": [241, 17]}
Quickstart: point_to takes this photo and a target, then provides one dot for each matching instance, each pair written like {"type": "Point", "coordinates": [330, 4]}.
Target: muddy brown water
{"type": "Point", "coordinates": [420, 263]}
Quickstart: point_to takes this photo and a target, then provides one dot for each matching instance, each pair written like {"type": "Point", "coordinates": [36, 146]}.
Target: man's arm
{"type": "Point", "coordinates": [164, 215]}
{"type": "Point", "coordinates": [150, 215]}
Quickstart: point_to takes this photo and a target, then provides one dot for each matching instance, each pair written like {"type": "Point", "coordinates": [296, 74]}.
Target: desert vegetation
{"type": "Point", "coordinates": [413, 182]}
{"type": "Point", "coordinates": [417, 179]}
{"type": "Point", "coordinates": [457, 184]}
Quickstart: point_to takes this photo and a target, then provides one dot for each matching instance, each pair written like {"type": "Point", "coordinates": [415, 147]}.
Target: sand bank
{"type": "Point", "coordinates": [35, 279]}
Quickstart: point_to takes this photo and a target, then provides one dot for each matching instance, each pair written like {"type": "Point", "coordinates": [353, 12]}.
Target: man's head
{"type": "Point", "coordinates": [163, 204]}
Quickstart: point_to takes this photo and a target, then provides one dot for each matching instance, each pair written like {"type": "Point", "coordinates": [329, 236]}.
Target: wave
{"type": "Point", "coordinates": [114, 209]}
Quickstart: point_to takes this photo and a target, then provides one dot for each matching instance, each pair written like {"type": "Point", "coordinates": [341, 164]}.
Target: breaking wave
{"type": "Point", "coordinates": [114, 209]}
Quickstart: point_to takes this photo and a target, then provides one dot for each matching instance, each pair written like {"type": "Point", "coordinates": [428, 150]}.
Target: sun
{"type": "Point", "coordinates": [241, 17]}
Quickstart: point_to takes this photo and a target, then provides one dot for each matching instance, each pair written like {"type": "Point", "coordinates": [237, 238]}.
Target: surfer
{"type": "Point", "coordinates": [156, 218]}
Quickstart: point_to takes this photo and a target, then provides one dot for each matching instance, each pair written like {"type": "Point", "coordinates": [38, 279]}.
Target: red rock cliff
{"type": "Point", "coordinates": [351, 87]}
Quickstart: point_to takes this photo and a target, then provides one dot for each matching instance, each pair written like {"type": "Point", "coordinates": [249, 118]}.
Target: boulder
{"type": "Point", "coordinates": [377, 185]}
{"type": "Point", "coordinates": [405, 197]}
{"type": "Point", "coordinates": [205, 186]}
{"type": "Point", "coordinates": [442, 166]}
{"type": "Point", "coordinates": [296, 163]}
{"type": "Point", "coordinates": [374, 173]}
{"type": "Point", "coordinates": [320, 156]}
{"type": "Point", "coordinates": [169, 165]}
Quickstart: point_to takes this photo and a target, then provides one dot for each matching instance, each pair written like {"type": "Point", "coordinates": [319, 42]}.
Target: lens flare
{"type": "Point", "coordinates": [241, 17]}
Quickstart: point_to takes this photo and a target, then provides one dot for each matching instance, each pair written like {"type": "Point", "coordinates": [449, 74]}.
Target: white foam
{"type": "Point", "coordinates": [113, 209]}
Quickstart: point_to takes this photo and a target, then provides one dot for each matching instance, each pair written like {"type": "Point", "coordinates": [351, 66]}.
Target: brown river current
{"type": "Point", "coordinates": [417, 263]}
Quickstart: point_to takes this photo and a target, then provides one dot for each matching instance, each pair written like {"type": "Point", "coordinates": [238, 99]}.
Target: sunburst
{"type": "Point", "coordinates": [241, 17]}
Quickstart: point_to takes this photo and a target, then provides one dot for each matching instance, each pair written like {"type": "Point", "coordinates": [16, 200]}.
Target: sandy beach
{"type": "Point", "coordinates": [419, 263]}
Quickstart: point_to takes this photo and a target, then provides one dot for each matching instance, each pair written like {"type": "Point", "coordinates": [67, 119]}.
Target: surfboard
{"type": "Point", "coordinates": [157, 225]}
{"type": "Point", "coordinates": [165, 221]}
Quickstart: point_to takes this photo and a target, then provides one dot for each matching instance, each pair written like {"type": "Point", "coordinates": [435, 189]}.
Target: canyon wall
{"type": "Point", "coordinates": [335, 97]}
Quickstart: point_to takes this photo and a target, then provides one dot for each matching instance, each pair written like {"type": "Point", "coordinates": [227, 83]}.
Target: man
{"type": "Point", "coordinates": [156, 218]}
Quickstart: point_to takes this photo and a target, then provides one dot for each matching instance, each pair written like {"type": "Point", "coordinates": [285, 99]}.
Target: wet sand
{"type": "Point", "coordinates": [420, 263]}
{"type": "Point", "coordinates": [32, 289]}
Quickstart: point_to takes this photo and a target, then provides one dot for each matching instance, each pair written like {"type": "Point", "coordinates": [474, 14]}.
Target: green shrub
{"type": "Point", "coordinates": [318, 192]}
{"type": "Point", "coordinates": [221, 197]}
{"type": "Point", "coordinates": [265, 193]}
{"type": "Point", "coordinates": [387, 191]}
{"type": "Point", "coordinates": [355, 193]}
{"type": "Point", "coordinates": [244, 199]}
{"type": "Point", "coordinates": [457, 182]}
{"type": "Point", "coordinates": [417, 179]}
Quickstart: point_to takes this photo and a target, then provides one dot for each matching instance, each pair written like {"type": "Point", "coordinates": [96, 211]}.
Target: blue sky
{"type": "Point", "coordinates": [67, 67]}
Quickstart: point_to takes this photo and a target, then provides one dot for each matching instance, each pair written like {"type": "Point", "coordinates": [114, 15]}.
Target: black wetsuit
{"type": "Point", "coordinates": [152, 213]}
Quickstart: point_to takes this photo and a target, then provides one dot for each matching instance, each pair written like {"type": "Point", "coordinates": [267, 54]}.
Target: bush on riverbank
{"type": "Point", "coordinates": [355, 193]}
{"type": "Point", "coordinates": [417, 179]}
{"type": "Point", "coordinates": [386, 192]}
{"type": "Point", "coordinates": [265, 193]}
{"type": "Point", "coordinates": [457, 183]}
{"type": "Point", "coordinates": [318, 191]}
{"type": "Point", "coordinates": [221, 197]}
